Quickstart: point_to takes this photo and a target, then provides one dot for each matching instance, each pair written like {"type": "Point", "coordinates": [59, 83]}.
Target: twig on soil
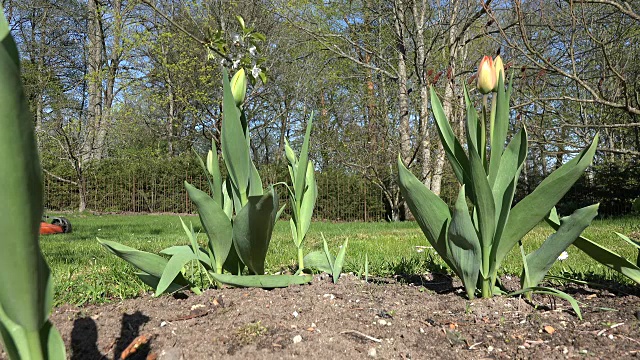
{"type": "Point", "coordinates": [630, 339]}
{"type": "Point", "coordinates": [108, 349]}
{"type": "Point", "coordinates": [474, 345]}
{"type": "Point", "coordinates": [358, 333]}
{"type": "Point", "coordinates": [134, 346]}
{"type": "Point", "coordinates": [192, 315]}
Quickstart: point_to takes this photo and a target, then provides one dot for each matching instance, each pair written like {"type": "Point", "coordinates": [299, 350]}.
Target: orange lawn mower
{"type": "Point", "coordinates": [58, 225]}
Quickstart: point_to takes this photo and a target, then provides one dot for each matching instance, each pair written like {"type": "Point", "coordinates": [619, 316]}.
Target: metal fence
{"type": "Point", "coordinates": [339, 198]}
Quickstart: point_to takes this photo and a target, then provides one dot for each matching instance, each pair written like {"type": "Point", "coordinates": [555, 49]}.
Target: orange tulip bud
{"type": "Point", "coordinates": [499, 69]}
{"type": "Point", "coordinates": [486, 75]}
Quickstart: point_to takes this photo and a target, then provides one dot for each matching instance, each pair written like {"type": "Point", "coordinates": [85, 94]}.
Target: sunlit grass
{"type": "Point", "coordinates": [84, 272]}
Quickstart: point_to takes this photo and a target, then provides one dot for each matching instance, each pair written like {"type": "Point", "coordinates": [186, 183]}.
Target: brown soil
{"type": "Point", "coordinates": [354, 320]}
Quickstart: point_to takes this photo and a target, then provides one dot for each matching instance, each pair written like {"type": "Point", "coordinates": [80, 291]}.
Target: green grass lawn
{"type": "Point", "coordinates": [84, 272]}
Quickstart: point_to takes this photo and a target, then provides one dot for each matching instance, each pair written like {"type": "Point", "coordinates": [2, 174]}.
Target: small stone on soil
{"type": "Point", "coordinates": [297, 339]}
{"type": "Point", "coordinates": [171, 354]}
{"type": "Point", "coordinates": [372, 352]}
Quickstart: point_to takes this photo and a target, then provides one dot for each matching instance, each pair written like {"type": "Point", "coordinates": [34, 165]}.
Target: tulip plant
{"type": "Point", "coordinates": [304, 194]}
{"type": "Point", "coordinates": [26, 287]}
{"type": "Point", "coordinates": [474, 238]}
{"type": "Point", "coordinates": [327, 262]}
{"type": "Point", "coordinates": [238, 217]}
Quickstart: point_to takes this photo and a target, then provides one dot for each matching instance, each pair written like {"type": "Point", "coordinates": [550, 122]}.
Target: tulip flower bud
{"type": "Point", "coordinates": [486, 75]}
{"type": "Point", "coordinates": [499, 69]}
{"type": "Point", "coordinates": [239, 86]}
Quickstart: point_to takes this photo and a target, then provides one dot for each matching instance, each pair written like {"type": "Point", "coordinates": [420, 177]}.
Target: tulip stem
{"type": "Point", "coordinates": [300, 258]}
{"type": "Point", "coordinates": [34, 345]}
{"type": "Point", "coordinates": [483, 135]}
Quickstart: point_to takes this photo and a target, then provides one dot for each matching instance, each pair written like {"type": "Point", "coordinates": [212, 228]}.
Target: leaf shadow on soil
{"type": "Point", "coordinates": [84, 338]}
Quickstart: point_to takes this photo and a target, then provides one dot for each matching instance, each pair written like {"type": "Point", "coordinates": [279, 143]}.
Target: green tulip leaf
{"type": "Point", "coordinates": [252, 229]}
{"type": "Point", "coordinates": [23, 288]}
{"type": "Point", "coordinates": [183, 250]}
{"type": "Point", "coordinates": [303, 163]}
{"type": "Point", "coordinates": [174, 267]}
{"type": "Point", "coordinates": [153, 281]}
{"type": "Point", "coordinates": [255, 183]}
{"type": "Point", "coordinates": [339, 262]}
{"type": "Point", "coordinates": [452, 147]}
{"type": "Point", "coordinates": [318, 260]}
{"type": "Point", "coordinates": [233, 142]}
{"type": "Point", "coordinates": [554, 292]}
{"type": "Point", "coordinates": [498, 130]}
{"type": "Point", "coordinates": [601, 254]}
{"type": "Point", "coordinates": [262, 281]}
{"type": "Point", "coordinates": [533, 208]}
{"type": "Point", "coordinates": [540, 261]}
{"type": "Point", "coordinates": [149, 263]}
{"type": "Point", "coordinates": [308, 200]}
{"type": "Point", "coordinates": [464, 246]}
{"type": "Point", "coordinates": [215, 222]}
{"type": "Point", "coordinates": [431, 213]}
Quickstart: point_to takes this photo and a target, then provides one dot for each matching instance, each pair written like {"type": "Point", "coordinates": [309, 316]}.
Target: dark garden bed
{"type": "Point", "coordinates": [385, 318]}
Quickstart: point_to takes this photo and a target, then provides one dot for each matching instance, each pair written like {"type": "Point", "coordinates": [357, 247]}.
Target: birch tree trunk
{"type": "Point", "coordinates": [420, 67]}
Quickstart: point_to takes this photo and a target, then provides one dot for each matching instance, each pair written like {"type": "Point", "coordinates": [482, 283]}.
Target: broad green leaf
{"type": "Point", "coordinates": [533, 208]}
{"type": "Point", "coordinates": [628, 240]}
{"type": "Point", "coordinates": [601, 254]}
{"type": "Point", "coordinates": [540, 261]}
{"type": "Point", "coordinates": [452, 147]}
{"type": "Point", "coordinates": [499, 130]}
{"type": "Point", "coordinates": [554, 292]}
{"type": "Point", "coordinates": [308, 201]}
{"type": "Point", "coordinates": [215, 222]}
{"type": "Point", "coordinates": [262, 281]}
{"type": "Point", "coordinates": [301, 175]}
{"type": "Point", "coordinates": [205, 169]}
{"type": "Point", "coordinates": [279, 213]}
{"type": "Point", "coordinates": [339, 262]}
{"type": "Point", "coordinates": [24, 275]}
{"type": "Point", "coordinates": [233, 264]}
{"type": "Point", "coordinates": [506, 180]}
{"type": "Point", "coordinates": [252, 228]}
{"type": "Point", "coordinates": [235, 193]}
{"type": "Point", "coordinates": [463, 247]}
{"type": "Point", "coordinates": [173, 268]}
{"type": "Point", "coordinates": [228, 201]}
{"type": "Point", "coordinates": [213, 166]}
{"type": "Point", "coordinates": [318, 260]}
{"type": "Point", "coordinates": [233, 142]}
{"type": "Point", "coordinates": [431, 213]}
{"type": "Point", "coordinates": [482, 199]}
{"type": "Point", "coordinates": [633, 243]}
{"type": "Point", "coordinates": [185, 249]}
{"type": "Point", "coordinates": [473, 126]}
{"type": "Point", "coordinates": [52, 342]}
{"type": "Point", "coordinates": [149, 263]}
{"type": "Point", "coordinates": [255, 183]}
{"type": "Point", "coordinates": [153, 281]}
{"type": "Point", "coordinates": [11, 334]}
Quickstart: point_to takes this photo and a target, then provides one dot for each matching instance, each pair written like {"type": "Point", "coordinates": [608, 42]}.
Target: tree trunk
{"type": "Point", "coordinates": [421, 71]}
{"type": "Point", "coordinates": [95, 63]}
{"type": "Point", "coordinates": [403, 97]}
